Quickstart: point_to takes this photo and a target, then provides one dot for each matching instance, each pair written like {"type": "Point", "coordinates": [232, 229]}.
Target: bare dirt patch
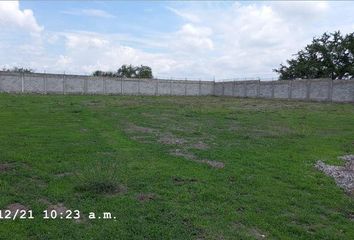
{"type": "Point", "coordinates": [135, 128]}
{"type": "Point", "coordinates": [200, 145]}
{"type": "Point", "coordinates": [343, 175]}
{"type": "Point", "coordinates": [182, 181]}
{"type": "Point", "coordinates": [44, 201]}
{"type": "Point", "coordinates": [214, 164]}
{"type": "Point", "coordinates": [252, 232]}
{"type": "Point", "coordinates": [4, 167]}
{"type": "Point", "coordinates": [192, 157]}
{"type": "Point", "coordinates": [181, 153]}
{"type": "Point", "coordinates": [15, 207]}
{"type": "Point", "coordinates": [169, 139]}
{"type": "Point", "coordinates": [59, 208]}
{"type": "Point", "coordinates": [63, 174]}
{"type": "Point", "coordinates": [145, 197]}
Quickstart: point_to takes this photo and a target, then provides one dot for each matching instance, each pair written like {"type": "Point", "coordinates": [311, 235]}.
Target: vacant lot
{"type": "Point", "coordinates": [174, 167]}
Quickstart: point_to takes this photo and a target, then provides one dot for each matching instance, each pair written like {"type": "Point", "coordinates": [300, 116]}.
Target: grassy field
{"type": "Point", "coordinates": [174, 167]}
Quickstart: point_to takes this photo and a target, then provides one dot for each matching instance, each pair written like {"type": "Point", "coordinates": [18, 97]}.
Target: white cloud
{"type": "Point", "coordinates": [11, 16]}
{"type": "Point", "coordinates": [223, 40]}
{"type": "Point", "coordinates": [88, 51]}
{"type": "Point", "coordinates": [249, 39]}
{"type": "Point", "coordinates": [85, 41]}
{"type": "Point", "coordinates": [185, 15]}
{"type": "Point", "coordinates": [89, 12]}
{"type": "Point", "coordinates": [302, 10]}
{"type": "Point", "coordinates": [192, 37]}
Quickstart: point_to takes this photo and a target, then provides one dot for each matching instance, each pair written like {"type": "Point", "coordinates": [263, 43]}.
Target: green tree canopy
{"type": "Point", "coordinates": [18, 69]}
{"type": "Point", "coordinates": [127, 71]}
{"type": "Point", "coordinates": [329, 56]}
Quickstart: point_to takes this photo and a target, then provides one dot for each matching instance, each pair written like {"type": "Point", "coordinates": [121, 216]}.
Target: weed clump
{"type": "Point", "coordinates": [100, 177]}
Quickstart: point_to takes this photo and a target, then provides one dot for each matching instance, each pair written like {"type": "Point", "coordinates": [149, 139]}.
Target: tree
{"type": "Point", "coordinates": [144, 72]}
{"type": "Point", "coordinates": [18, 69]}
{"type": "Point", "coordinates": [99, 73]}
{"type": "Point", "coordinates": [329, 56]}
{"type": "Point", "coordinates": [127, 71]}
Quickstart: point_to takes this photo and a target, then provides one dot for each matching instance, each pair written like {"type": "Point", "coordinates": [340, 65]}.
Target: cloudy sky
{"type": "Point", "coordinates": [177, 39]}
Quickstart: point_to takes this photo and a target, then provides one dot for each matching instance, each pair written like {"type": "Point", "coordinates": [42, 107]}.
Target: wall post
{"type": "Point", "coordinates": [104, 87]}
{"type": "Point", "coordinates": [290, 89]}
{"type": "Point", "coordinates": [223, 88]}
{"type": "Point", "coordinates": [258, 87]}
{"type": "Point", "coordinates": [157, 87]}
{"type": "Point", "coordinates": [64, 85]}
{"type": "Point", "coordinates": [330, 90]}
{"type": "Point", "coordinates": [171, 87]}
{"type": "Point", "coordinates": [244, 89]}
{"type": "Point", "coordinates": [185, 87]}
{"type": "Point", "coordinates": [200, 88]}
{"type": "Point", "coordinates": [233, 88]}
{"type": "Point", "coordinates": [85, 85]}
{"type": "Point", "coordinates": [308, 89]}
{"type": "Point", "coordinates": [214, 87]}
{"type": "Point", "coordinates": [272, 89]}
{"type": "Point", "coordinates": [138, 86]}
{"type": "Point", "coordinates": [45, 83]}
{"type": "Point", "coordinates": [23, 82]}
{"type": "Point", "coordinates": [1, 85]}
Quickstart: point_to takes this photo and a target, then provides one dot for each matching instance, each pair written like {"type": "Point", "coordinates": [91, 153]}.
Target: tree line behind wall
{"type": "Point", "coordinates": [127, 71]}
{"type": "Point", "coordinates": [329, 56]}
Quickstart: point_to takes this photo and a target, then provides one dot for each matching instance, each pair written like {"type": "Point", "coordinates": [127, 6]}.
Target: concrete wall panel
{"type": "Point", "coordinates": [343, 91]}
{"type": "Point", "coordinates": [74, 84]}
{"type": "Point", "coordinates": [148, 87]}
{"type": "Point", "coordinates": [281, 90]}
{"type": "Point", "coordinates": [33, 83]}
{"type": "Point", "coordinates": [298, 89]}
{"type": "Point", "coordinates": [95, 85]}
{"type": "Point", "coordinates": [113, 86]}
{"type": "Point", "coordinates": [130, 87]}
{"type": "Point", "coordinates": [239, 89]}
{"type": "Point", "coordinates": [228, 88]}
{"type": "Point", "coordinates": [207, 88]}
{"type": "Point", "coordinates": [11, 83]}
{"type": "Point", "coordinates": [251, 89]}
{"type": "Point", "coordinates": [265, 90]}
{"type": "Point", "coordinates": [54, 84]}
{"type": "Point", "coordinates": [164, 87]}
{"type": "Point", "coordinates": [192, 88]}
{"type": "Point", "coordinates": [218, 91]}
{"type": "Point", "coordinates": [179, 88]}
{"type": "Point", "coordinates": [319, 90]}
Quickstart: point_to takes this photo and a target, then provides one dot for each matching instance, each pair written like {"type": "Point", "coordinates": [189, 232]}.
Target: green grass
{"type": "Point", "coordinates": [81, 151]}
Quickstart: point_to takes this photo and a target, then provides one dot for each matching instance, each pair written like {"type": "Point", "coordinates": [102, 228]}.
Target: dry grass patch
{"type": "Point", "coordinates": [15, 207]}
{"type": "Point", "coordinates": [145, 197]}
{"type": "Point", "coordinates": [182, 181]}
{"type": "Point", "coordinates": [4, 167]}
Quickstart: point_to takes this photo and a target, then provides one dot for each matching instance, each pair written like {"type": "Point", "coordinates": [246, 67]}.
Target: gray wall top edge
{"type": "Point", "coordinates": [9, 73]}
{"type": "Point", "coordinates": [171, 80]}
{"type": "Point", "coordinates": [289, 81]}
{"type": "Point", "coordinates": [50, 75]}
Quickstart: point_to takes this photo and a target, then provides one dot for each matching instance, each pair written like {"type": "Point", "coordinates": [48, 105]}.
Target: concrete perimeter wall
{"type": "Point", "coordinates": [308, 90]}
{"type": "Point", "coordinates": [76, 84]}
{"type": "Point", "coordinates": [311, 90]}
